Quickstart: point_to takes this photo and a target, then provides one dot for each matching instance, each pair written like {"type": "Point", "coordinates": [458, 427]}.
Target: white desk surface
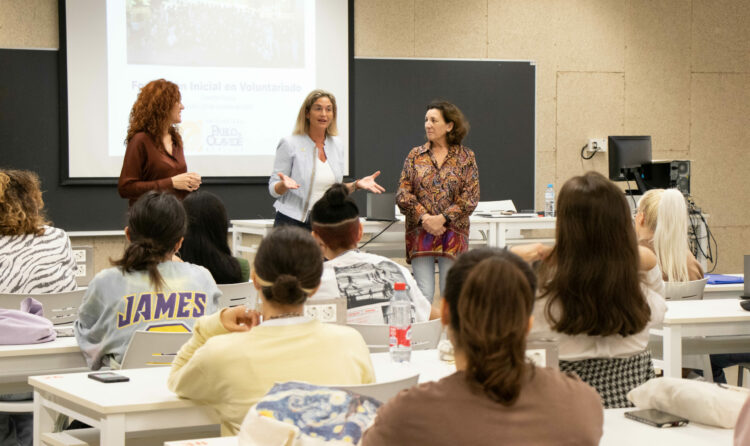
{"type": "Point", "coordinates": [725, 290]}
{"type": "Point", "coordinates": [146, 390]}
{"type": "Point", "coordinates": [65, 344]}
{"type": "Point", "coordinates": [621, 431]}
{"type": "Point", "coordinates": [618, 431]}
{"type": "Point", "coordinates": [425, 362]}
{"type": "Point", "coordinates": [705, 311]}
{"type": "Point", "coordinates": [18, 362]}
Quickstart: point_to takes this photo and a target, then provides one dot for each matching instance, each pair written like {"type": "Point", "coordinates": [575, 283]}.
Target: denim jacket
{"type": "Point", "coordinates": [295, 157]}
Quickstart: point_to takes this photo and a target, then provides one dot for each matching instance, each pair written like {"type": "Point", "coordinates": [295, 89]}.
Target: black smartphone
{"type": "Point", "coordinates": [656, 418]}
{"type": "Point", "coordinates": [108, 377]}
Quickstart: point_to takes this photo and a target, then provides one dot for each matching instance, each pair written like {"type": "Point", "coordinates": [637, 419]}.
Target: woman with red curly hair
{"type": "Point", "coordinates": [154, 158]}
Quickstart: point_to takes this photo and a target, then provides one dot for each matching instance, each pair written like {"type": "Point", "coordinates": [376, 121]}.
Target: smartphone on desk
{"type": "Point", "coordinates": [108, 377]}
{"type": "Point", "coordinates": [656, 418]}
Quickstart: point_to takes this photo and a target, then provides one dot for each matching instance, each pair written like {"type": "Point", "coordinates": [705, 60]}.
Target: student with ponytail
{"type": "Point", "coordinates": [233, 359]}
{"type": "Point", "coordinates": [662, 225]}
{"type": "Point", "coordinates": [146, 289]}
{"type": "Point", "coordinates": [496, 396]}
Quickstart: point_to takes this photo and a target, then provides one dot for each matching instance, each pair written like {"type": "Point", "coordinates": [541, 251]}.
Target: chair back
{"type": "Point", "coordinates": [692, 290]}
{"type": "Point", "coordinates": [424, 335]}
{"type": "Point", "coordinates": [59, 308]}
{"type": "Point", "coordinates": [235, 294]}
{"type": "Point", "coordinates": [153, 349]}
{"type": "Point", "coordinates": [327, 310]}
{"type": "Point", "coordinates": [382, 391]}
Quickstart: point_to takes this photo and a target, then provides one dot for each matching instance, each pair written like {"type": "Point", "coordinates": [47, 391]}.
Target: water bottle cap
{"type": "Point", "coordinates": [399, 286]}
{"type": "Point", "coordinates": [549, 185]}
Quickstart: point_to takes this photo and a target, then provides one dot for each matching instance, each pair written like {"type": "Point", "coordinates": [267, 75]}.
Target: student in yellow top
{"type": "Point", "coordinates": [233, 359]}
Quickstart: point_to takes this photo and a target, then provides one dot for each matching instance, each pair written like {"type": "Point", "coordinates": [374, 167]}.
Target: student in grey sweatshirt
{"type": "Point", "coordinates": [148, 288]}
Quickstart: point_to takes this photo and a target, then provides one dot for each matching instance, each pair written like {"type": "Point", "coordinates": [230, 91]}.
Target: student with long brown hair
{"type": "Point", "coordinates": [146, 289]}
{"type": "Point", "coordinates": [594, 296]}
{"type": "Point", "coordinates": [496, 396]}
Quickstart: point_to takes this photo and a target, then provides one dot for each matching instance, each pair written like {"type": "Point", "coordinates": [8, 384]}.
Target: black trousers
{"type": "Point", "coordinates": [284, 220]}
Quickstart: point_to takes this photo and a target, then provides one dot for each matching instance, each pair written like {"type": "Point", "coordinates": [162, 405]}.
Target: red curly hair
{"type": "Point", "coordinates": [150, 113]}
{"type": "Point", "coordinates": [21, 205]}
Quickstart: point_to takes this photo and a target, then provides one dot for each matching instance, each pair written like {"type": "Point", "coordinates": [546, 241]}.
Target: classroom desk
{"type": "Point", "coordinates": [621, 431]}
{"type": "Point", "coordinates": [142, 404]}
{"type": "Point", "coordinates": [18, 362]}
{"type": "Point", "coordinates": [495, 228]}
{"type": "Point", "coordinates": [618, 431]}
{"type": "Point", "coordinates": [724, 291]}
{"type": "Point", "coordinates": [715, 317]}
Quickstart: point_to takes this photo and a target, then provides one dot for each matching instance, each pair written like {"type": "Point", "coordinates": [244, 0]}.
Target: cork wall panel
{"type": "Point", "coordinates": [591, 35]}
{"type": "Point", "coordinates": [734, 244]}
{"type": "Point", "coordinates": [581, 99]}
{"type": "Point", "coordinates": [384, 28]}
{"type": "Point", "coordinates": [105, 248]}
{"type": "Point", "coordinates": [450, 29]}
{"type": "Point", "coordinates": [657, 73]}
{"type": "Point", "coordinates": [721, 36]}
{"type": "Point", "coordinates": [28, 24]}
{"type": "Point", "coordinates": [720, 108]}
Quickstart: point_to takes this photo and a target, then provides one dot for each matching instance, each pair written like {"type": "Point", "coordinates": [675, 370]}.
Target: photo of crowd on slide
{"type": "Point", "coordinates": [216, 33]}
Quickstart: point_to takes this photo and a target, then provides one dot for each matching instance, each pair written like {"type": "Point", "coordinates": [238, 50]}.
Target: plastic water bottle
{"type": "Point", "coordinates": [549, 201]}
{"type": "Point", "coordinates": [399, 321]}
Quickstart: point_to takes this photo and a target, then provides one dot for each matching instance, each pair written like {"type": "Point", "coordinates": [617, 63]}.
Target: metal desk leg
{"type": "Point", "coordinates": [673, 351]}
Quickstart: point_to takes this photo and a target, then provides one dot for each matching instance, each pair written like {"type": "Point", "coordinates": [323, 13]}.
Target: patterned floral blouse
{"type": "Point", "coordinates": [451, 190]}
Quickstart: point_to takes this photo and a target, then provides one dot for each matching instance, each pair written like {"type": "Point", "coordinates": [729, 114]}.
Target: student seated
{"type": "Point", "coordinates": [662, 225]}
{"type": "Point", "coordinates": [34, 258]}
{"type": "Point", "coordinates": [364, 280]}
{"type": "Point", "coordinates": [147, 289]}
{"type": "Point", "coordinates": [232, 361]}
{"type": "Point", "coordinates": [205, 242]}
{"type": "Point", "coordinates": [595, 296]}
{"type": "Point", "coordinates": [496, 396]}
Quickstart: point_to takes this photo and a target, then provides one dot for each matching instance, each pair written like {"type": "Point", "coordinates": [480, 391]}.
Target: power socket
{"type": "Point", "coordinates": [79, 255]}
{"type": "Point", "coordinates": [597, 145]}
{"type": "Point", "coordinates": [321, 312]}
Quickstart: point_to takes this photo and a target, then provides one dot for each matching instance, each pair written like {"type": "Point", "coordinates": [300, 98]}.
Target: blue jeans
{"type": "Point", "coordinates": [16, 428]}
{"type": "Point", "coordinates": [721, 361]}
{"type": "Point", "coordinates": [424, 273]}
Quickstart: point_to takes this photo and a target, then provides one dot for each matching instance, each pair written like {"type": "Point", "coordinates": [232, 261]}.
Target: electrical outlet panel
{"type": "Point", "coordinates": [80, 269]}
{"type": "Point", "coordinates": [79, 255]}
{"type": "Point", "coordinates": [597, 145]}
{"type": "Point", "coordinates": [322, 312]}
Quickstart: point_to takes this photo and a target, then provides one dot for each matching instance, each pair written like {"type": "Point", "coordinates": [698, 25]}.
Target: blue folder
{"type": "Point", "coordinates": [722, 279]}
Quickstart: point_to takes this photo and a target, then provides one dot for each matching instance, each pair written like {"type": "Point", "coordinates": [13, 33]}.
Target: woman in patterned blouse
{"type": "Point", "coordinates": [438, 190]}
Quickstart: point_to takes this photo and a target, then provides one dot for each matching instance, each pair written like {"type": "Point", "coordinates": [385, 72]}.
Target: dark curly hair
{"type": "Point", "coordinates": [21, 205]}
{"type": "Point", "coordinates": [453, 114]}
{"type": "Point", "coordinates": [150, 112]}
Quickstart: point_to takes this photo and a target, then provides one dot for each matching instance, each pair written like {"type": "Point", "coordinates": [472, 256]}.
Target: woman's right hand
{"type": "Point", "coordinates": [285, 184]}
{"type": "Point", "coordinates": [239, 318]}
{"type": "Point", "coordinates": [189, 181]}
{"type": "Point", "coordinates": [434, 224]}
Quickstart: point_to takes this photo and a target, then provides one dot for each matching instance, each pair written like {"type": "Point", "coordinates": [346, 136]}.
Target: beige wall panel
{"type": "Point", "coordinates": [734, 244]}
{"type": "Point", "coordinates": [28, 24]}
{"type": "Point", "coordinates": [721, 36]}
{"type": "Point", "coordinates": [591, 35]}
{"type": "Point", "coordinates": [720, 108]}
{"type": "Point", "coordinates": [657, 72]}
{"type": "Point", "coordinates": [450, 29]}
{"type": "Point", "coordinates": [384, 28]}
{"type": "Point", "coordinates": [105, 247]}
{"type": "Point", "coordinates": [581, 97]}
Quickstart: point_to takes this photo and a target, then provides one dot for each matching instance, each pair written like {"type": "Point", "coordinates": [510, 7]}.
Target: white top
{"type": "Point", "coordinates": [366, 282]}
{"type": "Point", "coordinates": [577, 347]}
{"type": "Point", "coordinates": [324, 178]}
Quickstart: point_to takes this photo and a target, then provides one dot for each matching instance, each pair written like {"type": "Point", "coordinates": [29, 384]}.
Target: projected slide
{"type": "Point", "coordinates": [243, 68]}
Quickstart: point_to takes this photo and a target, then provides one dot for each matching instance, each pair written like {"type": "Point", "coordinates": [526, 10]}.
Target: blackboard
{"type": "Point", "coordinates": [388, 99]}
{"type": "Point", "coordinates": [497, 97]}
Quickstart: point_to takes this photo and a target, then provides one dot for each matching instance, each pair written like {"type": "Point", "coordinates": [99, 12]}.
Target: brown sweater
{"type": "Point", "coordinates": [149, 167]}
{"type": "Point", "coordinates": [553, 409]}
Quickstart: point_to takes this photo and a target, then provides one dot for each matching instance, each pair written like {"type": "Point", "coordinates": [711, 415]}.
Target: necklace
{"type": "Point", "coordinates": [285, 315]}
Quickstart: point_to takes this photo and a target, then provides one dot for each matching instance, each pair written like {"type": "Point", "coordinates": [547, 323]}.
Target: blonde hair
{"type": "Point", "coordinates": [302, 126]}
{"type": "Point", "coordinates": [665, 214]}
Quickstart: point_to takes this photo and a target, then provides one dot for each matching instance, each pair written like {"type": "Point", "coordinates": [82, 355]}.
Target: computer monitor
{"type": "Point", "coordinates": [626, 156]}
